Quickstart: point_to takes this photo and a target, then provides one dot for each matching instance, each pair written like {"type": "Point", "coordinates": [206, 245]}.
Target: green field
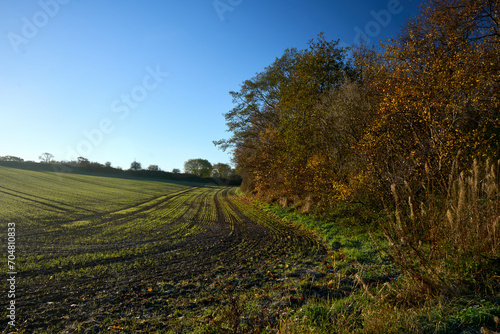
{"type": "Point", "coordinates": [104, 254]}
{"type": "Point", "coordinates": [97, 253]}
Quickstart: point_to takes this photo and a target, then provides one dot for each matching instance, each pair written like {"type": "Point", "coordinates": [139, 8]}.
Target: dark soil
{"type": "Point", "coordinates": [150, 289]}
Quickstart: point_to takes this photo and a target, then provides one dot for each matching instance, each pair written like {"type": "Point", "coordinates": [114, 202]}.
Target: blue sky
{"type": "Point", "coordinates": [149, 80]}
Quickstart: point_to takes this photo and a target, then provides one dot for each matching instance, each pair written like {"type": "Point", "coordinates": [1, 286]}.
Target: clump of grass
{"type": "Point", "coordinates": [449, 244]}
{"type": "Point", "coordinates": [236, 315]}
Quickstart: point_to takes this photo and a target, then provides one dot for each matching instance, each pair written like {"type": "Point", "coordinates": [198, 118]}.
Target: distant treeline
{"type": "Point", "coordinates": [98, 169]}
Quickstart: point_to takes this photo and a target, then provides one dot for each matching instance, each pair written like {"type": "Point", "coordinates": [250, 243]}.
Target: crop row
{"type": "Point", "coordinates": [182, 233]}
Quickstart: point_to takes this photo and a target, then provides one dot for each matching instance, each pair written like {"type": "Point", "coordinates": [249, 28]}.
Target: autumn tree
{"type": "Point", "coordinates": [154, 168]}
{"type": "Point", "coordinates": [254, 121]}
{"type": "Point", "coordinates": [135, 166]}
{"type": "Point", "coordinates": [441, 93]}
{"type": "Point", "coordinates": [46, 157]}
{"type": "Point", "coordinates": [341, 170]}
{"type": "Point", "coordinates": [275, 120]}
{"type": "Point", "coordinates": [222, 170]}
{"type": "Point", "coordinates": [200, 167]}
{"type": "Point", "coordinates": [440, 112]}
{"type": "Point", "coordinates": [83, 161]}
{"type": "Point", "coordinates": [318, 70]}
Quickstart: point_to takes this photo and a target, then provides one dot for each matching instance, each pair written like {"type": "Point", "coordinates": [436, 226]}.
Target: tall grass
{"type": "Point", "coordinates": [449, 244]}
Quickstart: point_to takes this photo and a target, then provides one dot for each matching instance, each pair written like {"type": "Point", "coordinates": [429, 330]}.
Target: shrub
{"type": "Point", "coordinates": [450, 243]}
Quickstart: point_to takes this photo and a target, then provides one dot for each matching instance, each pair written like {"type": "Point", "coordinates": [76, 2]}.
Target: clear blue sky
{"type": "Point", "coordinates": [121, 80]}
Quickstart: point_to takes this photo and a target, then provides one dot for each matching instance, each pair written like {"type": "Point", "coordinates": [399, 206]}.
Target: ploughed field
{"type": "Point", "coordinates": [101, 253]}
